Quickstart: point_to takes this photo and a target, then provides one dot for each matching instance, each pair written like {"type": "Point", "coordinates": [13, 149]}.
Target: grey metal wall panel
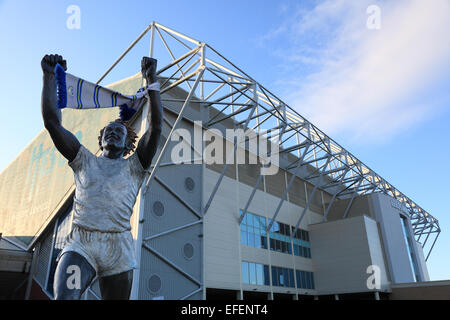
{"type": "Point", "coordinates": [171, 263]}
{"type": "Point", "coordinates": [297, 194]}
{"type": "Point", "coordinates": [276, 184]}
{"type": "Point", "coordinates": [44, 259]}
{"type": "Point", "coordinates": [249, 173]}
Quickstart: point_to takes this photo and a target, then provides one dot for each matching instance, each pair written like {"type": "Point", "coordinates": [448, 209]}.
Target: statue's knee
{"type": "Point", "coordinates": [66, 294]}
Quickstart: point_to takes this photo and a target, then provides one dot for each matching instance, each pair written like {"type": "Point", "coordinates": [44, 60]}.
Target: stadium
{"type": "Point", "coordinates": [324, 226]}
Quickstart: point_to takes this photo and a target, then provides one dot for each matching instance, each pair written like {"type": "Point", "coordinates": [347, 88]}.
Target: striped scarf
{"type": "Point", "coordinates": [76, 93]}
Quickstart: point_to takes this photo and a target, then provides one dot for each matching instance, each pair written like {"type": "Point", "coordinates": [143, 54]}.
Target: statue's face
{"type": "Point", "coordinates": [114, 136]}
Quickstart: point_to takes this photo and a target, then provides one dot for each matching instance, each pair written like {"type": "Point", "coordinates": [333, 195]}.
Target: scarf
{"type": "Point", "coordinates": [76, 93]}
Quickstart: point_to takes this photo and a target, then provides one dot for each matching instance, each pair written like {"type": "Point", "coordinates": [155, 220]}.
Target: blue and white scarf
{"type": "Point", "coordinates": [76, 93]}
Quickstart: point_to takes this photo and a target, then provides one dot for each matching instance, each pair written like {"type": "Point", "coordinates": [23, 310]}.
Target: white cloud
{"type": "Point", "coordinates": [365, 83]}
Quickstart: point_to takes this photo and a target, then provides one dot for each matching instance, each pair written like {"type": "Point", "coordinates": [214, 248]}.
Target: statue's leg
{"type": "Point", "coordinates": [116, 287]}
{"type": "Point", "coordinates": [72, 276]}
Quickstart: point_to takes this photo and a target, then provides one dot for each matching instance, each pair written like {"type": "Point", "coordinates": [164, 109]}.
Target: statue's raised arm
{"type": "Point", "coordinates": [148, 143]}
{"type": "Point", "coordinates": [64, 140]}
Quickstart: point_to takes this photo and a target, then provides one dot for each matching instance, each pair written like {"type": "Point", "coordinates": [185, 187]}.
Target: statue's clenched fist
{"type": "Point", "coordinates": [148, 69]}
{"type": "Point", "coordinates": [49, 62]}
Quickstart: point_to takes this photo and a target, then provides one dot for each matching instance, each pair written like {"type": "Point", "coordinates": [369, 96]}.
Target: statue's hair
{"type": "Point", "coordinates": [130, 140]}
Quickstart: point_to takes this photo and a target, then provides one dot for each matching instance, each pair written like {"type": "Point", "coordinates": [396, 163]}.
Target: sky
{"type": "Point", "coordinates": [373, 75]}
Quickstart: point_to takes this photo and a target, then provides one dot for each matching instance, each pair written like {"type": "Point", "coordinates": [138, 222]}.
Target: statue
{"type": "Point", "coordinates": [100, 242]}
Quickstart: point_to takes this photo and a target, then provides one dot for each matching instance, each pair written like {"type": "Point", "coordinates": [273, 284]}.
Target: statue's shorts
{"type": "Point", "coordinates": [109, 253]}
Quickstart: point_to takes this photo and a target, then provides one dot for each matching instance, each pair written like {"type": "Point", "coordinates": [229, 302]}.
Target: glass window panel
{"type": "Point", "coordinates": [266, 275]}
{"type": "Point", "coordinates": [283, 246]}
{"type": "Point", "coordinates": [260, 222]}
{"type": "Point", "coordinates": [259, 274]}
{"type": "Point", "coordinates": [274, 276]}
{"type": "Point", "coordinates": [285, 277]}
{"type": "Point", "coordinates": [313, 286]}
{"type": "Point", "coordinates": [245, 278]}
{"type": "Point", "coordinates": [257, 241]}
{"type": "Point", "coordinates": [303, 276]}
{"type": "Point", "coordinates": [272, 244]}
{"type": "Point", "coordinates": [252, 271]}
{"type": "Point", "coordinates": [243, 237]}
{"type": "Point", "coordinates": [308, 281]}
{"type": "Point", "coordinates": [253, 220]}
{"type": "Point", "coordinates": [260, 242]}
{"type": "Point", "coordinates": [251, 239]}
{"type": "Point", "coordinates": [297, 276]}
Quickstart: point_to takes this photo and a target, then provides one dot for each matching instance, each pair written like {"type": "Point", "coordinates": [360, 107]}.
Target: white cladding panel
{"type": "Point", "coordinates": [342, 251]}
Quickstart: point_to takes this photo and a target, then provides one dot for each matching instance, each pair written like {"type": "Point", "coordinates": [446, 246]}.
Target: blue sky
{"type": "Point", "coordinates": [382, 94]}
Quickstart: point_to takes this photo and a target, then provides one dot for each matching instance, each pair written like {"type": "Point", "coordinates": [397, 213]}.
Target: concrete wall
{"type": "Point", "coordinates": [342, 251]}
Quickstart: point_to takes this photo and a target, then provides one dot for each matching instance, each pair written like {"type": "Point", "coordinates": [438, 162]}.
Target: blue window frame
{"type": "Point", "coordinates": [280, 240]}
{"type": "Point", "coordinates": [255, 273]}
{"type": "Point", "coordinates": [283, 277]}
{"type": "Point", "coordinates": [305, 279]}
{"type": "Point", "coordinates": [253, 231]}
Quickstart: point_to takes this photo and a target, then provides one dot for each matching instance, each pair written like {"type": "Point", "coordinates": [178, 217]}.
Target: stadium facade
{"type": "Point", "coordinates": [324, 225]}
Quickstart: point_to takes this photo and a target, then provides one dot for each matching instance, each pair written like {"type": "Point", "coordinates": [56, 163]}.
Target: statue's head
{"type": "Point", "coordinates": [117, 136]}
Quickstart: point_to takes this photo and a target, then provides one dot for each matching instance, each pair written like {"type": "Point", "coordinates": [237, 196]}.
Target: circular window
{"type": "Point", "coordinates": [158, 209]}
{"type": "Point", "coordinates": [189, 184]}
{"type": "Point", "coordinates": [188, 251]}
{"type": "Point", "coordinates": [154, 283]}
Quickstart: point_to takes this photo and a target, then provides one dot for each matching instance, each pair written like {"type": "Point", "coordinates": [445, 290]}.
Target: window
{"type": "Point", "coordinates": [253, 234]}
{"type": "Point", "coordinates": [283, 277]}
{"type": "Point", "coordinates": [409, 245]}
{"type": "Point", "coordinates": [280, 237]}
{"type": "Point", "coordinates": [255, 273]}
{"type": "Point", "coordinates": [305, 279]}
{"type": "Point", "coordinates": [301, 243]}
{"type": "Point", "coordinates": [245, 272]}
{"type": "Point", "coordinates": [253, 231]}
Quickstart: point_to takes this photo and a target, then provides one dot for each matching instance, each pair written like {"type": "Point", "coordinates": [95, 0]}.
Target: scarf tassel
{"type": "Point", "coordinates": [126, 113]}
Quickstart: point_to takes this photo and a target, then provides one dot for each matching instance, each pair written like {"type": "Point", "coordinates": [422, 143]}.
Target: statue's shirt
{"type": "Point", "coordinates": [106, 190]}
